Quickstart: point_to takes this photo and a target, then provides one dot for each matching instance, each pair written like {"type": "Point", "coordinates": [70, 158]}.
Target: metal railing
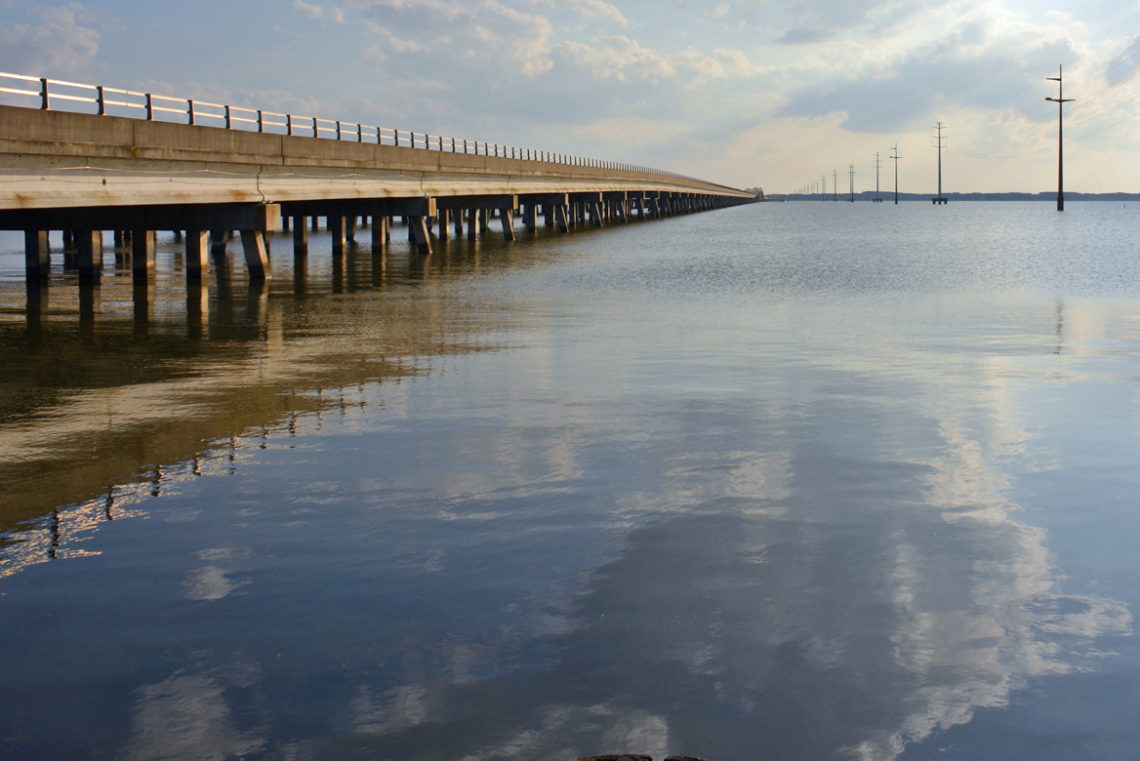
{"type": "Point", "coordinates": [114, 101]}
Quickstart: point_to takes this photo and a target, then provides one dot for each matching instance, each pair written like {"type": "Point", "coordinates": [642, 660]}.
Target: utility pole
{"type": "Point", "coordinates": [878, 198]}
{"type": "Point", "coordinates": [895, 156]}
{"type": "Point", "coordinates": [939, 199]}
{"type": "Point", "coordinates": [851, 175]}
{"type": "Point", "coordinates": [834, 184]}
{"type": "Point", "coordinates": [1060, 100]}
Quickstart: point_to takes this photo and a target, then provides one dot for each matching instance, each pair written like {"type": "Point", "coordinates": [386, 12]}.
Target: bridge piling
{"type": "Point", "coordinates": [197, 245]}
{"type": "Point", "coordinates": [300, 236]}
{"type": "Point", "coordinates": [90, 254]}
{"type": "Point", "coordinates": [506, 218]}
{"type": "Point", "coordinates": [256, 254]}
{"type": "Point", "coordinates": [473, 223]}
{"type": "Point", "coordinates": [142, 254]}
{"type": "Point", "coordinates": [37, 255]}
{"type": "Point", "coordinates": [380, 234]}
{"type": "Point", "coordinates": [442, 220]}
{"type": "Point", "coordinates": [420, 238]}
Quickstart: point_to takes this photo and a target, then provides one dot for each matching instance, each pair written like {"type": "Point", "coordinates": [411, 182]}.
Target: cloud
{"type": "Point", "coordinates": [459, 35]}
{"type": "Point", "coordinates": [319, 12]}
{"type": "Point", "coordinates": [591, 9]}
{"type": "Point", "coordinates": [1125, 65]}
{"type": "Point", "coordinates": [59, 42]}
{"type": "Point", "coordinates": [812, 21]}
{"type": "Point", "coordinates": [978, 64]}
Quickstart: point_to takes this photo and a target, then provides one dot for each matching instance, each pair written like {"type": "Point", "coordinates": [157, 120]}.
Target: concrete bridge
{"type": "Point", "coordinates": [207, 170]}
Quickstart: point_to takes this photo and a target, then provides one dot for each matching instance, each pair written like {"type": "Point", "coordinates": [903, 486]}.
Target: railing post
{"type": "Point", "coordinates": [101, 100]}
{"type": "Point", "coordinates": [360, 133]}
{"type": "Point", "coordinates": [149, 107]}
{"type": "Point", "coordinates": [453, 145]}
{"type": "Point", "coordinates": [229, 119]}
{"type": "Point", "coordinates": [190, 110]}
{"type": "Point", "coordinates": [316, 132]}
{"type": "Point", "coordinates": [260, 121]}
{"type": "Point", "coordinates": [44, 93]}
{"type": "Point", "coordinates": [288, 124]}
{"type": "Point", "coordinates": [338, 129]}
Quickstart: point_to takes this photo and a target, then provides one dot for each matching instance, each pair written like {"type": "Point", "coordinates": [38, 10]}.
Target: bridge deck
{"type": "Point", "coordinates": [86, 173]}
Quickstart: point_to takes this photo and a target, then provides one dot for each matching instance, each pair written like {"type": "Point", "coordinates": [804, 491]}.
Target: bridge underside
{"type": "Point", "coordinates": [85, 174]}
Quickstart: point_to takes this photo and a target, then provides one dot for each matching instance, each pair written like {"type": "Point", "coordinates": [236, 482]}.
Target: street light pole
{"type": "Point", "coordinates": [1060, 100]}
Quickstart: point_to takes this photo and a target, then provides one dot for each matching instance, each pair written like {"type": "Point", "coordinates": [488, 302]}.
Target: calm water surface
{"type": "Point", "coordinates": [790, 481]}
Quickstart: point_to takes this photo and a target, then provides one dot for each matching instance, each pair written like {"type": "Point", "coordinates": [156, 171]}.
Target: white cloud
{"type": "Point", "coordinates": [318, 11]}
{"type": "Point", "coordinates": [60, 43]}
{"type": "Point", "coordinates": [591, 9]}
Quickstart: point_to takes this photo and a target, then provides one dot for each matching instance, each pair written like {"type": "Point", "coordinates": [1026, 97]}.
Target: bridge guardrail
{"type": "Point", "coordinates": [151, 106]}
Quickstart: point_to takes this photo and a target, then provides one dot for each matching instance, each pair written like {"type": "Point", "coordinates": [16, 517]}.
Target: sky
{"type": "Point", "coordinates": [778, 94]}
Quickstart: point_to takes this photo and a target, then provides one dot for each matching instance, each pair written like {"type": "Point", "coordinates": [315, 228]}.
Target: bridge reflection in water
{"type": "Point", "coordinates": [113, 393]}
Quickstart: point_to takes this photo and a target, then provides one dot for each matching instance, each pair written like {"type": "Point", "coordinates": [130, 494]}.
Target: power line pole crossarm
{"type": "Point", "coordinates": [1060, 100]}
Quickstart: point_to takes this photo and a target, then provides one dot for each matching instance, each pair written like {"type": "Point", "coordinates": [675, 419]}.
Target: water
{"type": "Point", "coordinates": [788, 481]}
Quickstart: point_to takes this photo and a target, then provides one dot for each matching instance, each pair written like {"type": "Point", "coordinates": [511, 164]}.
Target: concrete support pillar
{"type": "Point", "coordinates": [337, 231]}
{"type": "Point", "coordinates": [473, 223]}
{"type": "Point", "coordinates": [37, 255]}
{"type": "Point", "coordinates": [530, 217]}
{"type": "Point", "coordinates": [350, 229]}
{"type": "Point", "coordinates": [380, 234]}
{"type": "Point", "coordinates": [560, 216]}
{"type": "Point", "coordinates": [457, 222]}
{"type": "Point", "coordinates": [218, 241]}
{"type": "Point", "coordinates": [300, 237]}
{"type": "Point", "coordinates": [596, 213]}
{"type": "Point", "coordinates": [442, 220]}
{"type": "Point", "coordinates": [90, 250]}
{"type": "Point", "coordinates": [256, 254]}
{"type": "Point", "coordinates": [316, 224]}
{"type": "Point", "coordinates": [420, 238]}
{"type": "Point", "coordinates": [197, 248]}
{"type": "Point", "coordinates": [507, 218]}
{"type": "Point", "coordinates": [142, 254]}
{"type": "Point", "coordinates": [548, 212]}
{"type": "Point", "coordinates": [284, 223]}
